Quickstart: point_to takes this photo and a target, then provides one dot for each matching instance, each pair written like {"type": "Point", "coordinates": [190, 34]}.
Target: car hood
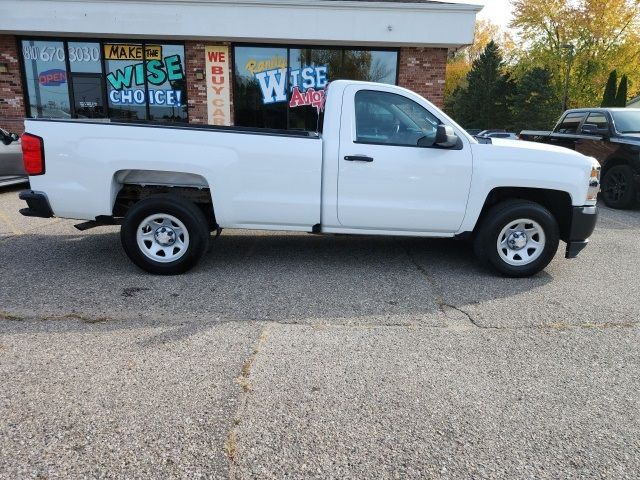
{"type": "Point", "coordinates": [630, 137]}
{"type": "Point", "coordinates": [510, 151]}
{"type": "Point", "coordinates": [533, 146]}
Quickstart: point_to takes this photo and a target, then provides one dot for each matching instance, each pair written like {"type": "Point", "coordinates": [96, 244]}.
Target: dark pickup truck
{"type": "Point", "coordinates": [612, 136]}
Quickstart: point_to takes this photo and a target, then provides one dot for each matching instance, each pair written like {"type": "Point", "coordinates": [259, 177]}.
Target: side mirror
{"type": "Point", "coordinates": [590, 129]}
{"type": "Point", "coordinates": [446, 137]}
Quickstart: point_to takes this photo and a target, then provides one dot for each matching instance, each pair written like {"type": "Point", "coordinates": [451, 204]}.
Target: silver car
{"type": "Point", "coordinates": [11, 166]}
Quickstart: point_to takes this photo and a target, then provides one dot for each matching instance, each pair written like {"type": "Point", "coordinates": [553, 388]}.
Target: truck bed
{"type": "Point", "coordinates": [267, 177]}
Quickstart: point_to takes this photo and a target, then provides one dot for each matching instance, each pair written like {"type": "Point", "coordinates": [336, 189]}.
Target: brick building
{"type": "Point", "coordinates": [262, 63]}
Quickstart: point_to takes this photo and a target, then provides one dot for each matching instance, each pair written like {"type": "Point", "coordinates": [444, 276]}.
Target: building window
{"type": "Point", "coordinates": [252, 109]}
{"type": "Point", "coordinates": [94, 79]}
{"type": "Point", "coordinates": [46, 76]}
{"type": "Point", "coordinates": [87, 84]}
{"type": "Point", "coordinates": [278, 87]}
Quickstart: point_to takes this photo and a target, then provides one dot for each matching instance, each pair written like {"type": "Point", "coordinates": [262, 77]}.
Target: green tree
{"type": "Point", "coordinates": [621, 97]}
{"type": "Point", "coordinates": [534, 104]}
{"type": "Point", "coordinates": [604, 35]}
{"type": "Point", "coordinates": [484, 101]}
{"type": "Point", "coordinates": [609, 97]}
{"type": "Point", "coordinates": [459, 64]}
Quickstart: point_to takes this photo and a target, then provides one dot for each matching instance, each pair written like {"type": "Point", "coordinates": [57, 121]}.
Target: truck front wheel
{"type": "Point", "coordinates": [517, 238]}
{"type": "Point", "coordinates": [618, 187]}
{"type": "Point", "coordinates": [165, 234]}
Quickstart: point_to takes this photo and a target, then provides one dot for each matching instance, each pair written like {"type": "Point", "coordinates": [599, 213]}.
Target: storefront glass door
{"type": "Point", "coordinates": [88, 96]}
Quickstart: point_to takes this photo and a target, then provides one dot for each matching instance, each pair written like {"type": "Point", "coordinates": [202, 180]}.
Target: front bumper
{"type": "Point", "coordinates": [583, 223]}
{"type": "Point", "coordinates": [37, 204]}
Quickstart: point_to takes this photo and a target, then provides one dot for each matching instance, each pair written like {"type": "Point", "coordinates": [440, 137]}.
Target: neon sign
{"type": "Point", "coordinates": [52, 78]}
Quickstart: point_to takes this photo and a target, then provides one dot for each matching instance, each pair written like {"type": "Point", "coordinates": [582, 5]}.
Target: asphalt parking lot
{"type": "Point", "coordinates": [301, 356]}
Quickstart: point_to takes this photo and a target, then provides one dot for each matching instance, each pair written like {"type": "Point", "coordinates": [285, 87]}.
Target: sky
{"type": "Point", "coordinates": [498, 11]}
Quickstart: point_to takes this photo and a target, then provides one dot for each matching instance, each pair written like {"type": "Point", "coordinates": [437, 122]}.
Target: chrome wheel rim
{"type": "Point", "coordinates": [521, 242]}
{"type": "Point", "coordinates": [162, 238]}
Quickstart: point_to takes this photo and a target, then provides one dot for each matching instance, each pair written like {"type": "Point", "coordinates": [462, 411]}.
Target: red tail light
{"type": "Point", "coordinates": [32, 154]}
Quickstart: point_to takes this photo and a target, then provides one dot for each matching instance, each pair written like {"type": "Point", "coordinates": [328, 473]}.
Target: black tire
{"type": "Point", "coordinates": [618, 187]}
{"type": "Point", "coordinates": [192, 218]}
{"type": "Point", "coordinates": [498, 218]}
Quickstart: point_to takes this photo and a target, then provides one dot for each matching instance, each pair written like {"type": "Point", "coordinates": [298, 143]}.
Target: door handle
{"type": "Point", "coordinates": [358, 158]}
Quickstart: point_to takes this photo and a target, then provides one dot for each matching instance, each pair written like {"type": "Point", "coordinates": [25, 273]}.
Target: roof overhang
{"type": "Point", "coordinates": [433, 24]}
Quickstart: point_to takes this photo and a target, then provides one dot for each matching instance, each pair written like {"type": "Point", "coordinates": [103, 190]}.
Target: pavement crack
{"type": "Point", "coordinates": [438, 298]}
{"type": "Point", "coordinates": [468, 316]}
{"type": "Point", "coordinates": [244, 380]}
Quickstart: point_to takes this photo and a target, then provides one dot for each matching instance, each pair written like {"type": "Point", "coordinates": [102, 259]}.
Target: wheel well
{"type": "Point", "coordinates": [556, 201]}
{"type": "Point", "coordinates": [613, 162]}
{"type": "Point", "coordinates": [130, 194]}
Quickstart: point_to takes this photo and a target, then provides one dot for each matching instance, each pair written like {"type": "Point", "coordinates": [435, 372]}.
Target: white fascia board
{"type": "Point", "coordinates": [277, 21]}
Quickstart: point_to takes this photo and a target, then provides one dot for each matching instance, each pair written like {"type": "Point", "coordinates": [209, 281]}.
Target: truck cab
{"type": "Point", "coordinates": [612, 136]}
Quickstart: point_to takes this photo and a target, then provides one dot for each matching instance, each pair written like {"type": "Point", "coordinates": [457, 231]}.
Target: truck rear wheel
{"type": "Point", "coordinates": [165, 234]}
{"type": "Point", "coordinates": [517, 238]}
{"type": "Point", "coordinates": [618, 188]}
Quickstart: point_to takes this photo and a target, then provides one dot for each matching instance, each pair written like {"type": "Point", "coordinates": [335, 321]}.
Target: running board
{"type": "Point", "coordinates": [98, 222]}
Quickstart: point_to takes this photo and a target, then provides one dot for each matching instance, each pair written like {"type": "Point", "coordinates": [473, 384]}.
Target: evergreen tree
{"type": "Point", "coordinates": [535, 105]}
{"type": "Point", "coordinates": [609, 98]}
{"type": "Point", "coordinates": [621, 97]}
{"type": "Point", "coordinates": [484, 103]}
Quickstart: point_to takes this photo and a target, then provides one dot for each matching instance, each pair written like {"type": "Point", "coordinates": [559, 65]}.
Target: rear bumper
{"type": "Point", "coordinates": [37, 204]}
{"type": "Point", "coordinates": [583, 223]}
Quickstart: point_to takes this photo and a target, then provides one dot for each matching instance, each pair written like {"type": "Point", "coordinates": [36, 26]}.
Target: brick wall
{"type": "Point", "coordinates": [197, 89]}
{"type": "Point", "coordinates": [12, 108]}
{"type": "Point", "coordinates": [423, 70]}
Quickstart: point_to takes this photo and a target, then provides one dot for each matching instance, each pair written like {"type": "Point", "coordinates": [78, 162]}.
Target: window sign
{"type": "Point", "coordinates": [139, 81]}
{"type": "Point", "coordinates": [292, 81]}
{"type": "Point", "coordinates": [218, 85]}
{"type": "Point", "coordinates": [126, 88]}
{"type": "Point", "coordinates": [250, 107]}
{"type": "Point", "coordinates": [133, 83]}
{"type": "Point", "coordinates": [84, 57]}
{"type": "Point", "coordinates": [120, 51]}
{"type": "Point", "coordinates": [306, 85]}
{"type": "Point", "coordinates": [46, 78]}
{"type": "Point", "coordinates": [167, 85]}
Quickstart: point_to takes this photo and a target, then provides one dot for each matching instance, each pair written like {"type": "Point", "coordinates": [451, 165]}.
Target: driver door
{"type": "Point", "coordinates": [385, 180]}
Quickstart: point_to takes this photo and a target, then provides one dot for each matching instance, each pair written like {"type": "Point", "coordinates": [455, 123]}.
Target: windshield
{"type": "Point", "coordinates": [627, 121]}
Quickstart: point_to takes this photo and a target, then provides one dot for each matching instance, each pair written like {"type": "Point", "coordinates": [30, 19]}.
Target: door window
{"type": "Point", "coordinates": [570, 123]}
{"type": "Point", "coordinates": [598, 119]}
{"type": "Point", "coordinates": [390, 119]}
{"type": "Point", "coordinates": [88, 96]}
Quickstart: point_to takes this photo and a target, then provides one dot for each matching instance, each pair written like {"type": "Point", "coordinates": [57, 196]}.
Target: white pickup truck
{"type": "Point", "coordinates": [387, 162]}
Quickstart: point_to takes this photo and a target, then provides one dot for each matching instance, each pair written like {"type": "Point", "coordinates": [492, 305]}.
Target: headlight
{"type": "Point", "coordinates": [594, 184]}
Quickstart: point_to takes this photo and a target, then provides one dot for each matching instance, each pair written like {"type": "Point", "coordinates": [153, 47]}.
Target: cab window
{"type": "Point", "coordinates": [598, 119]}
{"type": "Point", "coordinates": [570, 123]}
{"type": "Point", "coordinates": [390, 119]}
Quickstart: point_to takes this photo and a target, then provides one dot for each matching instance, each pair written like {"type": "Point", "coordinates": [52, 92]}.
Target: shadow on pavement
{"type": "Point", "coordinates": [252, 276]}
